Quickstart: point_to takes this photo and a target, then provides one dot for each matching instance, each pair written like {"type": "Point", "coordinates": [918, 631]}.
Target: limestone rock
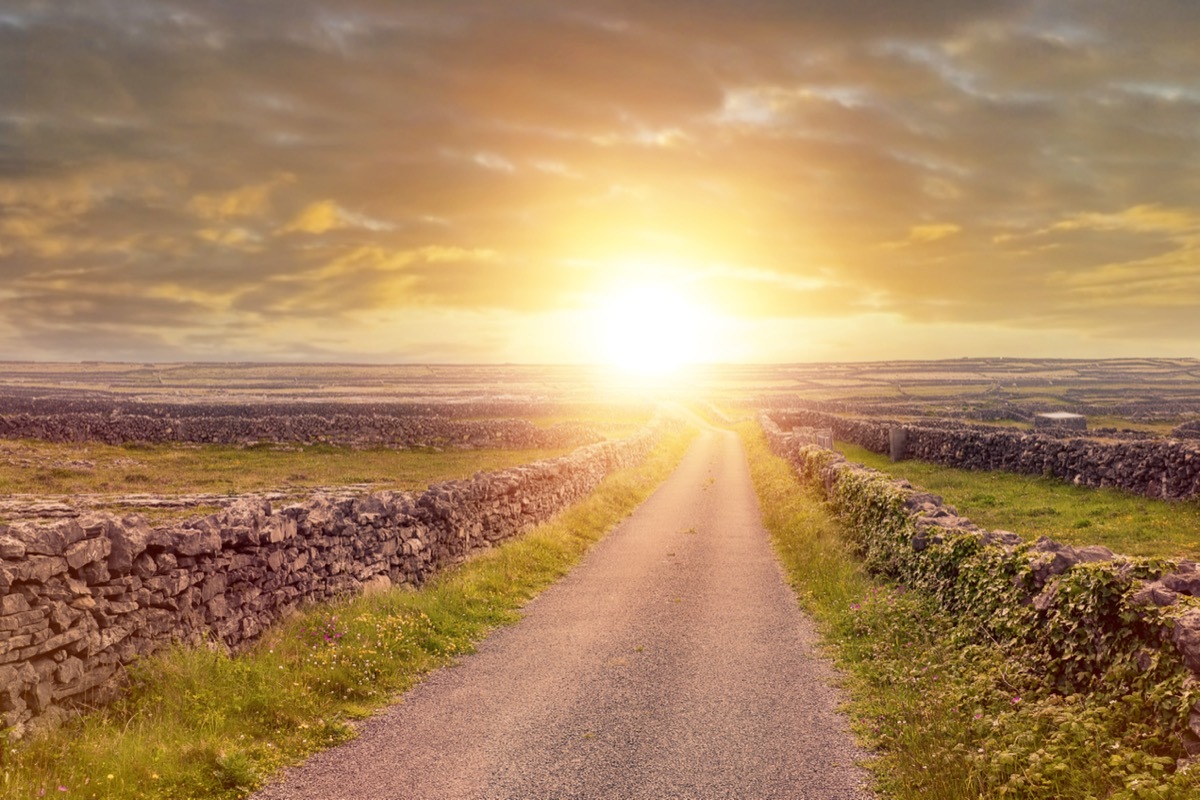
{"type": "Point", "coordinates": [1186, 637]}
{"type": "Point", "coordinates": [86, 552]}
{"type": "Point", "coordinates": [1155, 593]}
{"type": "Point", "coordinates": [1185, 579]}
{"type": "Point", "coordinates": [129, 539]}
{"type": "Point", "coordinates": [11, 547]}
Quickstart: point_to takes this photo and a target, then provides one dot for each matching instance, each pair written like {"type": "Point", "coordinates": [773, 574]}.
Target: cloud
{"type": "Point", "coordinates": [1030, 164]}
{"type": "Point", "coordinates": [316, 218]}
{"type": "Point", "coordinates": [246, 201]}
{"type": "Point", "coordinates": [1142, 219]}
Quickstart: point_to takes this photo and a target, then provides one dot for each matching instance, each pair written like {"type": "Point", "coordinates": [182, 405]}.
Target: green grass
{"type": "Point", "coordinates": [44, 468]}
{"type": "Point", "coordinates": [1163, 428]}
{"type": "Point", "coordinates": [614, 422]}
{"type": "Point", "coordinates": [1034, 505]}
{"type": "Point", "coordinates": [202, 724]}
{"type": "Point", "coordinates": [949, 712]}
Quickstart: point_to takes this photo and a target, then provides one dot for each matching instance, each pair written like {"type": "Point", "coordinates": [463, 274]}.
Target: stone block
{"type": "Point", "coordinates": [86, 552]}
{"type": "Point", "coordinates": [43, 568]}
{"type": "Point", "coordinates": [62, 616]}
{"type": "Point", "coordinates": [128, 539]}
{"type": "Point", "coordinates": [193, 543]}
{"type": "Point", "coordinates": [95, 573]}
{"type": "Point", "coordinates": [13, 604]}
{"type": "Point", "coordinates": [212, 586]}
{"type": "Point", "coordinates": [1186, 637]}
{"type": "Point", "coordinates": [40, 696]}
{"type": "Point", "coordinates": [11, 547]}
{"type": "Point", "coordinates": [377, 585]}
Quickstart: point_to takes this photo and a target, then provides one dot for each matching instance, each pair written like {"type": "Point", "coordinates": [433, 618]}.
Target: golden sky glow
{"type": "Point", "coordinates": [474, 181]}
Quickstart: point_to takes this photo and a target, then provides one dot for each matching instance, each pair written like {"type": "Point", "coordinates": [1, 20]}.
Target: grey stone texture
{"type": "Point", "coordinates": [80, 599]}
{"type": "Point", "coordinates": [1165, 468]}
{"type": "Point", "coordinates": [1177, 584]}
{"type": "Point", "coordinates": [306, 428]}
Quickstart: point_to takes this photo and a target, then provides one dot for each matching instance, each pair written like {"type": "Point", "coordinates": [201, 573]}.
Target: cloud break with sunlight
{"type": "Point", "coordinates": [463, 182]}
{"type": "Point", "coordinates": [651, 330]}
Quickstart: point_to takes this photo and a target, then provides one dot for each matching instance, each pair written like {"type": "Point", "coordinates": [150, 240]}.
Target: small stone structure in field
{"type": "Point", "coordinates": [1060, 419]}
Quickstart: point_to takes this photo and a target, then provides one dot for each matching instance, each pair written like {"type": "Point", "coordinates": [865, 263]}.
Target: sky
{"type": "Point", "coordinates": [476, 181]}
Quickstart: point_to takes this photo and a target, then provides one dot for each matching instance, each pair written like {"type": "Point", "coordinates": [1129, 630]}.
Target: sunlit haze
{"type": "Point", "coordinates": [642, 185]}
{"type": "Point", "coordinates": [651, 329]}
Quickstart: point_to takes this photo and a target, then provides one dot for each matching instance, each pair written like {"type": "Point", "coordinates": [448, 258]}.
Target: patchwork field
{"type": "Point", "coordinates": [1035, 505]}
{"type": "Point", "coordinates": [140, 438]}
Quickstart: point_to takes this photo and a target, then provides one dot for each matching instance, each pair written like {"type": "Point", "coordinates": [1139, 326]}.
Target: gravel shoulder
{"type": "Point", "coordinates": [673, 663]}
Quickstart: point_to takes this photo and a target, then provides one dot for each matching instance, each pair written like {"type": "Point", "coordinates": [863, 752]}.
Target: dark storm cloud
{"type": "Point", "coordinates": [224, 164]}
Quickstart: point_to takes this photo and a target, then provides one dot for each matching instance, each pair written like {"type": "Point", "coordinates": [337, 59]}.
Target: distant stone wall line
{"type": "Point", "coordinates": [1162, 468]}
{"type": "Point", "coordinates": [342, 429]}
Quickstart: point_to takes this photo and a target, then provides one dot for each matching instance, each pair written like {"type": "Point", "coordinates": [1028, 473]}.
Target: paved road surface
{"type": "Point", "coordinates": [673, 663]}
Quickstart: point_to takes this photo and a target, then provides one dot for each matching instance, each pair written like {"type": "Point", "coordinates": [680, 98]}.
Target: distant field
{"type": "Point", "coordinates": [44, 468]}
{"type": "Point", "coordinates": [615, 423]}
{"type": "Point", "coordinates": [1034, 506]}
{"type": "Point", "coordinates": [1135, 425]}
{"type": "Point", "coordinates": [1035, 382]}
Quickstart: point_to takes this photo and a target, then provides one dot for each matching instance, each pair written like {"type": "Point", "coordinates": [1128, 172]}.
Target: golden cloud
{"type": "Point", "coordinates": [1142, 218]}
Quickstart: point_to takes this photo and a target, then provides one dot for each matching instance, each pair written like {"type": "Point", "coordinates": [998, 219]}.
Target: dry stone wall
{"type": "Point", "coordinates": [1165, 468]}
{"type": "Point", "coordinates": [1090, 614]}
{"type": "Point", "coordinates": [345, 429]}
{"type": "Point", "coordinates": [1187, 430]}
{"type": "Point", "coordinates": [97, 403]}
{"type": "Point", "coordinates": [82, 598]}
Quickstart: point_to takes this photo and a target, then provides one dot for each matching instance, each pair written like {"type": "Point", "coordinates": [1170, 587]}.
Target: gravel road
{"type": "Point", "coordinates": [672, 663]}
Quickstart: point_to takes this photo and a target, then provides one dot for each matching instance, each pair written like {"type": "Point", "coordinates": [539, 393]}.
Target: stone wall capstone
{"type": "Point", "coordinates": [82, 598]}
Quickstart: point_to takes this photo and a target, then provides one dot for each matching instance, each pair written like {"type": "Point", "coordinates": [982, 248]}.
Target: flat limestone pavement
{"type": "Point", "coordinates": [673, 663]}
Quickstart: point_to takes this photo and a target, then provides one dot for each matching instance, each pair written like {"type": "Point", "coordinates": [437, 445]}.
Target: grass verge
{"type": "Point", "coordinates": [950, 712]}
{"type": "Point", "coordinates": [201, 724]}
{"type": "Point", "coordinates": [1033, 506]}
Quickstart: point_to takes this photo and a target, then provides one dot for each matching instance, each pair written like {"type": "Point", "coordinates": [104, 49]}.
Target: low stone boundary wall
{"type": "Point", "coordinates": [1187, 430]}
{"type": "Point", "coordinates": [1165, 468]}
{"type": "Point", "coordinates": [80, 599]}
{"type": "Point", "coordinates": [1092, 617]}
{"type": "Point", "coordinates": [345, 429]}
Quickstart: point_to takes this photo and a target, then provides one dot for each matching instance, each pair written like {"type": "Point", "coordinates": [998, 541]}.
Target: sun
{"type": "Point", "coordinates": [649, 329]}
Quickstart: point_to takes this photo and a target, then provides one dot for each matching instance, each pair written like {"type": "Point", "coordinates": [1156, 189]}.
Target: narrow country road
{"type": "Point", "coordinates": [672, 663]}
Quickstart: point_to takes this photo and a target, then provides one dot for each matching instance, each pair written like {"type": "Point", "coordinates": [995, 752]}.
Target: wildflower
{"type": "Point", "coordinates": [1015, 700]}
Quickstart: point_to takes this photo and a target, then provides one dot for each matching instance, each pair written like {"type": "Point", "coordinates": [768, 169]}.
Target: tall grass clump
{"type": "Point", "coordinates": [953, 711]}
{"type": "Point", "coordinates": [199, 723]}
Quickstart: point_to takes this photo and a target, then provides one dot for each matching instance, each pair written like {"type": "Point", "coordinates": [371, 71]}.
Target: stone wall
{"type": "Point", "coordinates": [343, 429]}
{"type": "Point", "coordinates": [81, 599]}
{"type": "Point", "coordinates": [1143, 610]}
{"type": "Point", "coordinates": [1164, 468]}
{"type": "Point", "coordinates": [1187, 430]}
